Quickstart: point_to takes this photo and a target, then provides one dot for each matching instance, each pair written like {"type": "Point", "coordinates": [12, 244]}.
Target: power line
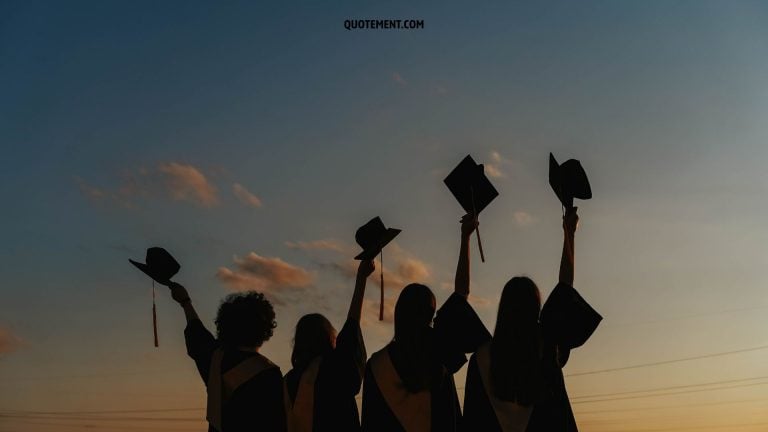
{"type": "Point", "coordinates": [100, 419]}
{"type": "Point", "coordinates": [131, 411]}
{"type": "Point", "coordinates": [659, 363]}
{"type": "Point", "coordinates": [719, 403]}
{"type": "Point", "coordinates": [669, 393]}
{"type": "Point", "coordinates": [681, 428]}
{"type": "Point", "coordinates": [671, 387]}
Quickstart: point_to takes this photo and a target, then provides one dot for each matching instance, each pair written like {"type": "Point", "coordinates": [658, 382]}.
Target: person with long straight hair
{"type": "Point", "coordinates": [515, 380]}
{"type": "Point", "coordinates": [409, 384]}
{"type": "Point", "coordinates": [328, 369]}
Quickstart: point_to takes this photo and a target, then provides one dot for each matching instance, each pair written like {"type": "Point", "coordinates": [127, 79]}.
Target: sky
{"type": "Point", "coordinates": [251, 139]}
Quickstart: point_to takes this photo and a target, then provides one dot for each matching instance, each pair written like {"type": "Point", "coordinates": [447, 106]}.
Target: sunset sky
{"type": "Point", "coordinates": [252, 139]}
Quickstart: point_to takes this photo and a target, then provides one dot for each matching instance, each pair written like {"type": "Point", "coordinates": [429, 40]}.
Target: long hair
{"type": "Point", "coordinates": [516, 344]}
{"type": "Point", "coordinates": [414, 311]}
{"type": "Point", "coordinates": [315, 336]}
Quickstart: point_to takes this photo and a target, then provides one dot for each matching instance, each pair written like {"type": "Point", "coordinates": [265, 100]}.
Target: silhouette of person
{"type": "Point", "coordinates": [328, 369]}
{"type": "Point", "coordinates": [515, 380]}
{"type": "Point", "coordinates": [409, 384]}
{"type": "Point", "coordinates": [245, 389]}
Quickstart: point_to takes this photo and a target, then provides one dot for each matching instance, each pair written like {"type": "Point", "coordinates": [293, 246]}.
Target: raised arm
{"type": "Point", "coordinates": [364, 270]}
{"type": "Point", "coordinates": [179, 293]}
{"type": "Point", "coordinates": [570, 222]}
{"type": "Point", "coordinates": [461, 282]}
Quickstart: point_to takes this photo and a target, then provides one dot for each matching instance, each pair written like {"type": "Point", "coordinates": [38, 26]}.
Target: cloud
{"type": "Point", "coordinates": [370, 313]}
{"type": "Point", "coordinates": [245, 196]}
{"type": "Point", "coordinates": [187, 183]}
{"type": "Point", "coordinates": [401, 268]}
{"type": "Point", "coordinates": [413, 269]}
{"type": "Point", "coordinates": [269, 274]}
{"type": "Point", "coordinates": [494, 168]}
{"type": "Point", "coordinates": [91, 192]}
{"type": "Point", "coordinates": [523, 218]}
{"type": "Point", "coordinates": [397, 78]}
{"type": "Point", "coordinates": [328, 245]}
{"type": "Point", "coordinates": [132, 185]}
{"type": "Point", "coordinates": [9, 342]}
{"type": "Point", "coordinates": [438, 89]}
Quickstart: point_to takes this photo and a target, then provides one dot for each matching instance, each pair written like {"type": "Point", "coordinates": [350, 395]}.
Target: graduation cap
{"type": "Point", "coordinates": [161, 267]}
{"type": "Point", "coordinates": [372, 237]}
{"type": "Point", "coordinates": [569, 181]}
{"type": "Point", "coordinates": [472, 189]}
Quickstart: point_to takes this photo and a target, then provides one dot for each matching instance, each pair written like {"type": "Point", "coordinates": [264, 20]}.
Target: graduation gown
{"type": "Point", "coordinates": [567, 321]}
{"type": "Point", "coordinates": [257, 404]}
{"type": "Point", "coordinates": [457, 330]}
{"type": "Point", "coordinates": [336, 379]}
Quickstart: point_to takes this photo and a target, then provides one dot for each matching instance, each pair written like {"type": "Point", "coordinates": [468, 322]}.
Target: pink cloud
{"type": "Point", "coordinates": [245, 196]}
{"type": "Point", "coordinates": [327, 245]}
{"type": "Point", "coordinates": [187, 183]}
{"type": "Point", "coordinates": [397, 78]}
{"type": "Point", "coordinates": [9, 342]}
{"type": "Point", "coordinates": [413, 270]}
{"type": "Point", "coordinates": [267, 274]}
{"type": "Point", "coordinates": [91, 192]}
{"type": "Point", "coordinates": [370, 314]}
{"type": "Point", "coordinates": [523, 218]}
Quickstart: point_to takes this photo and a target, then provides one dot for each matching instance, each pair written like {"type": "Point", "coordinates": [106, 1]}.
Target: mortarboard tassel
{"type": "Point", "coordinates": [477, 228]}
{"type": "Point", "coordinates": [381, 299]}
{"type": "Point", "coordinates": [154, 314]}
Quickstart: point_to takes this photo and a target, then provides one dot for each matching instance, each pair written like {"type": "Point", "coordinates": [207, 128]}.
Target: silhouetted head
{"type": "Point", "coordinates": [315, 336]}
{"type": "Point", "coordinates": [414, 311]}
{"type": "Point", "coordinates": [515, 348]}
{"type": "Point", "coordinates": [520, 303]}
{"type": "Point", "coordinates": [245, 320]}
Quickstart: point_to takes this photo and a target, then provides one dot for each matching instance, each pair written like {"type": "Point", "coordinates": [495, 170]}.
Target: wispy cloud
{"type": "Point", "coordinates": [497, 165]}
{"type": "Point", "coordinates": [523, 218]}
{"type": "Point", "coordinates": [440, 90]}
{"type": "Point", "coordinates": [245, 196]}
{"type": "Point", "coordinates": [398, 79]}
{"type": "Point", "coordinates": [91, 192]}
{"type": "Point", "coordinates": [268, 274]}
{"type": "Point", "coordinates": [9, 342]}
{"type": "Point", "coordinates": [328, 245]}
{"type": "Point", "coordinates": [132, 186]}
{"type": "Point", "coordinates": [178, 181]}
{"type": "Point", "coordinates": [400, 269]}
{"type": "Point", "coordinates": [187, 183]}
{"type": "Point", "coordinates": [370, 313]}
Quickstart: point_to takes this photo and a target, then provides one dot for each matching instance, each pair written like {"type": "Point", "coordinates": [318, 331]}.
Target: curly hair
{"type": "Point", "coordinates": [245, 319]}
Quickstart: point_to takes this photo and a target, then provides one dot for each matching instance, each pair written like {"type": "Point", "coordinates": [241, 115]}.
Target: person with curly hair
{"type": "Point", "coordinates": [245, 389]}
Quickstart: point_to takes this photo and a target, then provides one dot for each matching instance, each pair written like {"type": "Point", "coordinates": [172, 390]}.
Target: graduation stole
{"type": "Point", "coordinates": [221, 386]}
{"type": "Point", "coordinates": [412, 410]}
{"type": "Point", "coordinates": [302, 412]}
{"type": "Point", "coordinates": [512, 416]}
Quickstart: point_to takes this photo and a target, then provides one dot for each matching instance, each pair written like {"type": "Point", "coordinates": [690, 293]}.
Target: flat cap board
{"type": "Point", "coordinates": [467, 182]}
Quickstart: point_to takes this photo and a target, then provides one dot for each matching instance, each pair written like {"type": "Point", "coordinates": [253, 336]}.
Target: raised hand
{"type": "Point", "coordinates": [365, 268]}
{"type": "Point", "coordinates": [468, 224]}
{"type": "Point", "coordinates": [179, 293]}
{"type": "Point", "coordinates": [570, 220]}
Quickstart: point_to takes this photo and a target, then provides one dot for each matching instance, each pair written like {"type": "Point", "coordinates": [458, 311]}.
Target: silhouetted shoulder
{"type": "Point", "coordinates": [567, 318]}
{"type": "Point", "coordinates": [458, 330]}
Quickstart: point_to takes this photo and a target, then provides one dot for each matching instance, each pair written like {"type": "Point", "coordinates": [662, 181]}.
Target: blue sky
{"type": "Point", "coordinates": [127, 126]}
